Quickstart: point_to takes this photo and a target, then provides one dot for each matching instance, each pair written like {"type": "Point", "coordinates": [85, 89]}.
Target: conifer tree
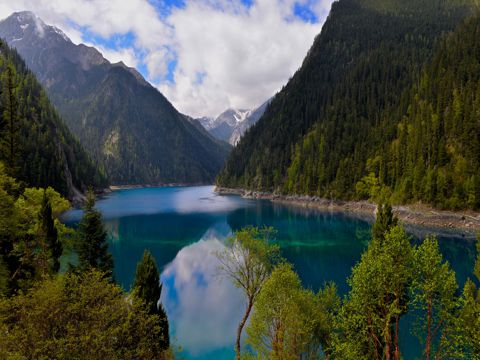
{"type": "Point", "coordinates": [384, 221]}
{"type": "Point", "coordinates": [92, 242]}
{"type": "Point", "coordinates": [147, 287]}
{"type": "Point", "coordinates": [49, 232]}
{"type": "Point", "coordinates": [10, 116]}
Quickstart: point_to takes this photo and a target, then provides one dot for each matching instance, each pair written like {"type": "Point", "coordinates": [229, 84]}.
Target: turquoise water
{"type": "Point", "coordinates": [184, 226]}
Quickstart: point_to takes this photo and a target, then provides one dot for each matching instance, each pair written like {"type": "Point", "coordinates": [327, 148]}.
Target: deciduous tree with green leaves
{"type": "Point", "coordinates": [369, 319]}
{"type": "Point", "coordinates": [433, 296]}
{"type": "Point", "coordinates": [78, 316]}
{"type": "Point", "coordinates": [248, 260]}
{"type": "Point", "coordinates": [288, 321]}
{"type": "Point", "coordinates": [469, 319]}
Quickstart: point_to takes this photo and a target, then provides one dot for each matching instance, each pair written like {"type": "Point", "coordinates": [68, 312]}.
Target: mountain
{"type": "Point", "coordinates": [126, 124]}
{"type": "Point", "coordinates": [36, 146]}
{"type": "Point", "coordinates": [331, 129]}
{"type": "Point", "coordinates": [230, 125]}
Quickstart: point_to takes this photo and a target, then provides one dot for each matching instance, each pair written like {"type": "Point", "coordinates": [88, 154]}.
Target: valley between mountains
{"type": "Point", "coordinates": [334, 217]}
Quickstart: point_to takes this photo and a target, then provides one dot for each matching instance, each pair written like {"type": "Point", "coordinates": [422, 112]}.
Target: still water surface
{"type": "Point", "coordinates": [184, 226]}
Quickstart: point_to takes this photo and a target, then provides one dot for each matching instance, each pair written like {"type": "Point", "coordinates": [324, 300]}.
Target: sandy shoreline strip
{"type": "Point", "coordinates": [418, 215]}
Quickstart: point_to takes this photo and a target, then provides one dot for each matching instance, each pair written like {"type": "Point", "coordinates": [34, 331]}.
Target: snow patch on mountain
{"type": "Point", "coordinates": [230, 125]}
{"type": "Point", "coordinates": [25, 18]}
{"type": "Point", "coordinates": [61, 33]}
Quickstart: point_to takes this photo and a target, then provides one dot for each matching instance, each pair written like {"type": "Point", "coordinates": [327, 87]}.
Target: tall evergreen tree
{"type": "Point", "coordinates": [50, 234]}
{"type": "Point", "coordinates": [384, 221]}
{"type": "Point", "coordinates": [92, 242]}
{"type": "Point", "coordinates": [147, 287]}
{"type": "Point", "coordinates": [10, 124]}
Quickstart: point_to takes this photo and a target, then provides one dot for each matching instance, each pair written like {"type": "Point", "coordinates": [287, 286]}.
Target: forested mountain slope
{"type": "Point", "coordinates": [36, 146]}
{"type": "Point", "coordinates": [323, 133]}
{"type": "Point", "coordinates": [126, 124]}
{"type": "Point", "coordinates": [435, 156]}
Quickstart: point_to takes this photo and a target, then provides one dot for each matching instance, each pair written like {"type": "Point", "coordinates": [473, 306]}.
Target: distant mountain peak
{"type": "Point", "coordinates": [233, 116]}
{"type": "Point", "coordinates": [231, 124]}
{"type": "Point", "coordinates": [27, 20]}
{"type": "Point", "coordinates": [25, 16]}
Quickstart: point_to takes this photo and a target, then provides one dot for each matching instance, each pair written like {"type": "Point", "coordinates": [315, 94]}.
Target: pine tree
{"type": "Point", "coordinates": [385, 220]}
{"type": "Point", "coordinates": [92, 242]}
{"type": "Point", "coordinates": [147, 287]}
{"type": "Point", "coordinates": [49, 231]}
{"type": "Point", "coordinates": [10, 116]}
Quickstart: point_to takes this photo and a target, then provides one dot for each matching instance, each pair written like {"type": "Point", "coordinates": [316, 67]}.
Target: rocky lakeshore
{"type": "Point", "coordinates": [156, 185]}
{"type": "Point", "coordinates": [418, 215]}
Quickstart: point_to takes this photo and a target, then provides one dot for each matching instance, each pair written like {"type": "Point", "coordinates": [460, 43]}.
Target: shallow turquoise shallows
{"type": "Point", "coordinates": [183, 227]}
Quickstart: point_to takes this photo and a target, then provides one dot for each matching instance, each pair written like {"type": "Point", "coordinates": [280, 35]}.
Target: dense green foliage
{"type": "Point", "coordinates": [393, 278]}
{"type": "Point", "coordinates": [470, 312]}
{"type": "Point", "coordinates": [31, 236]}
{"type": "Point", "coordinates": [435, 157]}
{"type": "Point", "coordinates": [92, 246]}
{"type": "Point", "coordinates": [290, 322]}
{"type": "Point", "coordinates": [352, 122]}
{"type": "Point", "coordinates": [433, 294]}
{"type": "Point", "coordinates": [370, 316]}
{"type": "Point", "coordinates": [148, 289]}
{"type": "Point", "coordinates": [35, 145]}
{"type": "Point", "coordinates": [77, 317]}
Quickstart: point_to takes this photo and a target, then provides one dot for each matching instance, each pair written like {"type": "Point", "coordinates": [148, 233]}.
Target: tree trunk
{"type": "Point", "coordinates": [387, 350]}
{"type": "Point", "coordinates": [388, 341]}
{"type": "Point", "coordinates": [429, 331]}
{"type": "Point", "coordinates": [397, 348]}
{"type": "Point", "coordinates": [278, 342]}
{"type": "Point", "coordinates": [240, 328]}
{"type": "Point", "coordinates": [375, 341]}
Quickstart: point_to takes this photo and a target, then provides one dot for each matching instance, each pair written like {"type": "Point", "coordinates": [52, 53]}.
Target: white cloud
{"type": "Point", "coordinates": [245, 57]}
{"type": "Point", "coordinates": [227, 55]}
{"type": "Point", "coordinates": [203, 308]}
{"type": "Point", "coordinates": [126, 55]}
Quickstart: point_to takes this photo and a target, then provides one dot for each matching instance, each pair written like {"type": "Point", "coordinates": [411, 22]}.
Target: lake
{"type": "Point", "coordinates": [183, 227]}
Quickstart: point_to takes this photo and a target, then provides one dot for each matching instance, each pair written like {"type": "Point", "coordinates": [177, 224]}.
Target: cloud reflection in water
{"type": "Point", "coordinates": [203, 307]}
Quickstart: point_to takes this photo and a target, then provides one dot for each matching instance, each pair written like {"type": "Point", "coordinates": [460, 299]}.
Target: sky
{"type": "Point", "coordinates": [205, 56]}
